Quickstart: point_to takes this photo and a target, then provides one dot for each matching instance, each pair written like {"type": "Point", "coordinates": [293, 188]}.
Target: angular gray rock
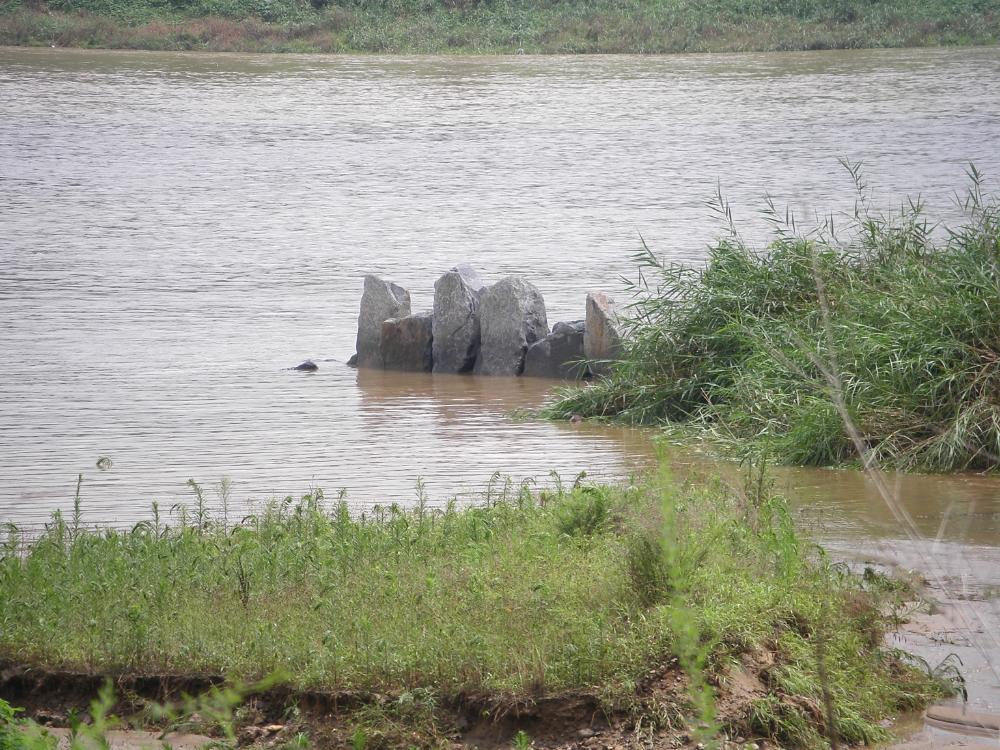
{"type": "Point", "coordinates": [602, 339]}
{"type": "Point", "coordinates": [512, 318]}
{"type": "Point", "coordinates": [559, 354]}
{"type": "Point", "coordinates": [381, 300]}
{"type": "Point", "coordinates": [406, 343]}
{"type": "Point", "coordinates": [456, 319]}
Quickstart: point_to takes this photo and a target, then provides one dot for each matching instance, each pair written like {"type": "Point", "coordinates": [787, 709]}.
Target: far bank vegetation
{"type": "Point", "coordinates": [497, 26]}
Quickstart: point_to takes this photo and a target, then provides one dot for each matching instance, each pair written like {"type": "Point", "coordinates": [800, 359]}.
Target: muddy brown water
{"type": "Point", "coordinates": [177, 228]}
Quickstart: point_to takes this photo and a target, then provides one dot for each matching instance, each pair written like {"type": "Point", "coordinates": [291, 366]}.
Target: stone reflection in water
{"type": "Point", "coordinates": [466, 431]}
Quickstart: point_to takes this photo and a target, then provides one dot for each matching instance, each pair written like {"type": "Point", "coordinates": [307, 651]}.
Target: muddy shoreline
{"type": "Point", "coordinates": [956, 627]}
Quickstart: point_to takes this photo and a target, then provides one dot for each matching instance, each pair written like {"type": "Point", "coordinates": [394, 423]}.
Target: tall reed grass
{"type": "Point", "coordinates": [895, 316]}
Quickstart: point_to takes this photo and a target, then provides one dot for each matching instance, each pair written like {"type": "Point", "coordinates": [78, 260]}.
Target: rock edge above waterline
{"type": "Point", "coordinates": [489, 330]}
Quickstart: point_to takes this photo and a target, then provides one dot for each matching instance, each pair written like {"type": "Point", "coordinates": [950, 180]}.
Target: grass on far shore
{"type": "Point", "coordinates": [497, 26]}
{"type": "Point", "coordinates": [582, 590]}
{"type": "Point", "coordinates": [881, 338]}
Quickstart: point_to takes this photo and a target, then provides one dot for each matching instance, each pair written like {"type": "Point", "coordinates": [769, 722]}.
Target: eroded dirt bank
{"type": "Point", "coordinates": [277, 716]}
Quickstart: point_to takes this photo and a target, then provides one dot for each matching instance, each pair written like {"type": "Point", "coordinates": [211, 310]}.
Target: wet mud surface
{"type": "Point", "coordinates": [955, 629]}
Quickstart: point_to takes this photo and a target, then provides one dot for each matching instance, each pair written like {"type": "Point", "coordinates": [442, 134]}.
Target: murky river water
{"type": "Point", "coordinates": [176, 229]}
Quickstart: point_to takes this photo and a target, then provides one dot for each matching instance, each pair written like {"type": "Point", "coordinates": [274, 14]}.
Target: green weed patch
{"type": "Point", "coordinates": [583, 591]}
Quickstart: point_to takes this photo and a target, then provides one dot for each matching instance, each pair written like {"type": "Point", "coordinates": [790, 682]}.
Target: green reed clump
{"type": "Point", "coordinates": [533, 594]}
{"type": "Point", "coordinates": [886, 325]}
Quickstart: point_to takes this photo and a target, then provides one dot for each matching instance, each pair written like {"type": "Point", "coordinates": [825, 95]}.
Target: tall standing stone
{"type": "Point", "coordinates": [456, 319]}
{"type": "Point", "coordinates": [381, 300]}
{"type": "Point", "coordinates": [406, 343]}
{"type": "Point", "coordinates": [558, 355]}
{"type": "Point", "coordinates": [602, 338]}
{"type": "Point", "coordinates": [512, 318]}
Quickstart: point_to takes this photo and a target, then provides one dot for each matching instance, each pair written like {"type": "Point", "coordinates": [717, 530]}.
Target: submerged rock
{"type": "Point", "coordinates": [406, 343]}
{"type": "Point", "coordinates": [512, 318]}
{"type": "Point", "coordinates": [307, 366]}
{"type": "Point", "coordinates": [602, 339]}
{"type": "Point", "coordinates": [558, 355]}
{"type": "Point", "coordinates": [456, 319]}
{"type": "Point", "coordinates": [381, 300]}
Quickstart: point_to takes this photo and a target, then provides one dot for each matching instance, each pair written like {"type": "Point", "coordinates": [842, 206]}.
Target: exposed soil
{"type": "Point", "coordinates": [275, 716]}
{"type": "Point", "coordinates": [136, 739]}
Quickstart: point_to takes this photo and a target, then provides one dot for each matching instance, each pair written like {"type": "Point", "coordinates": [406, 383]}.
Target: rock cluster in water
{"type": "Point", "coordinates": [490, 330]}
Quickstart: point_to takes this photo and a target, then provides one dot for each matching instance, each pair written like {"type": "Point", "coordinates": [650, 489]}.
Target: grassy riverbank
{"type": "Point", "coordinates": [645, 601]}
{"type": "Point", "coordinates": [881, 338]}
{"type": "Point", "coordinates": [496, 26]}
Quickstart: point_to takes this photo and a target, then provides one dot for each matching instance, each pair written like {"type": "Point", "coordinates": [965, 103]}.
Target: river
{"type": "Point", "coordinates": [176, 229]}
